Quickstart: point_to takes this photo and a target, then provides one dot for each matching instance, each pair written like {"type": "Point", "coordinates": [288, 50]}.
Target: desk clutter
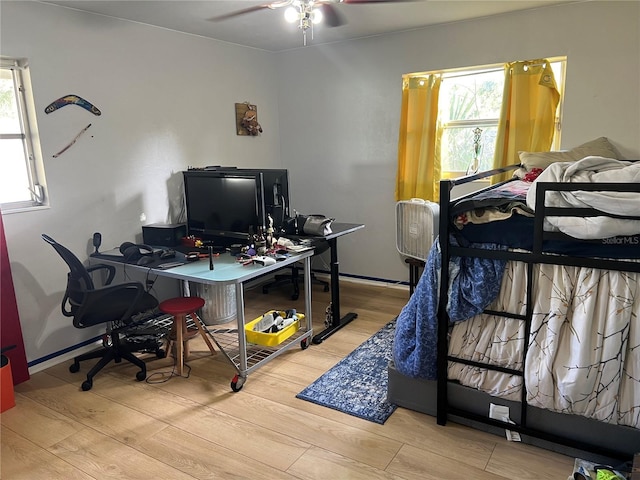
{"type": "Point", "coordinates": [274, 321]}
{"type": "Point", "coordinates": [273, 328]}
{"type": "Point", "coordinates": [265, 246]}
{"type": "Point", "coordinates": [259, 250]}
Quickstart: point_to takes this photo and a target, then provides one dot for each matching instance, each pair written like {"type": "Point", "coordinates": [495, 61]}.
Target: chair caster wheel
{"type": "Point", "coordinates": [140, 376]}
{"type": "Point", "coordinates": [161, 353]}
{"type": "Point", "coordinates": [86, 385]}
{"type": "Point", "coordinates": [294, 296]}
{"type": "Point", "coordinates": [74, 368]}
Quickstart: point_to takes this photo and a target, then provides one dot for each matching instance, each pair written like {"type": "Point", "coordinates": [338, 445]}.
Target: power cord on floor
{"type": "Point", "coordinates": [166, 376]}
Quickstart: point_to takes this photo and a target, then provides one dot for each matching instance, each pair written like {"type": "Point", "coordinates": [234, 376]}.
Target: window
{"type": "Point", "coordinates": [22, 184]}
{"type": "Point", "coordinates": [469, 108]}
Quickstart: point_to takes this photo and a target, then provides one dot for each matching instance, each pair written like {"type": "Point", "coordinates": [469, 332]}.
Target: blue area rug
{"type": "Point", "coordinates": [357, 385]}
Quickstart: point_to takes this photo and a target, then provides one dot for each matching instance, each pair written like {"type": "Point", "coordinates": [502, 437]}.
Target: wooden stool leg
{"type": "Point", "coordinates": [179, 320]}
{"type": "Point", "coordinates": [185, 339]}
{"type": "Point", "coordinates": [171, 339]}
{"type": "Point", "coordinates": [204, 335]}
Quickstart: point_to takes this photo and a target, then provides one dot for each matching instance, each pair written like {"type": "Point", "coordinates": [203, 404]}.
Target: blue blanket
{"type": "Point", "coordinates": [474, 284]}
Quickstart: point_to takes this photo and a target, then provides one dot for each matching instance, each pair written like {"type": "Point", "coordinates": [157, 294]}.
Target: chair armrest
{"type": "Point", "coordinates": [111, 271]}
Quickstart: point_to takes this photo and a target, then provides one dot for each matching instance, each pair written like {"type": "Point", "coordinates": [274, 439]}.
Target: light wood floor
{"type": "Point", "coordinates": [197, 428]}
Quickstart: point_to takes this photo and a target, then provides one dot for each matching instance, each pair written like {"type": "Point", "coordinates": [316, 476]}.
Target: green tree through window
{"type": "Point", "coordinates": [470, 99]}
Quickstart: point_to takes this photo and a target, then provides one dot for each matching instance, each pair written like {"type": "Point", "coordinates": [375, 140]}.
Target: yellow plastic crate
{"type": "Point", "coordinates": [271, 339]}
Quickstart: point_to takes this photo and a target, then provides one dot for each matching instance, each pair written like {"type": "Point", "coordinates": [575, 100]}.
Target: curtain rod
{"type": "Point", "coordinates": [477, 71]}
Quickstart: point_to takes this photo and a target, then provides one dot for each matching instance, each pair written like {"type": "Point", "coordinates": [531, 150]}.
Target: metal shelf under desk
{"type": "Point", "coordinates": [227, 340]}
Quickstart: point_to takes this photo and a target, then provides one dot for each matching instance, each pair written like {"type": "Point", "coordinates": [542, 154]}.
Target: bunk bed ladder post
{"type": "Point", "coordinates": [538, 232]}
{"type": "Point", "coordinates": [538, 220]}
{"type": "Point", "coordinates": [442, 405]}
{"type": "Point", "coordinates": [525, 340]}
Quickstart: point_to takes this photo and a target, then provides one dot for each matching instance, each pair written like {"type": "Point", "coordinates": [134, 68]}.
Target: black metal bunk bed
{"type": "Point", "coordinates": [569, 434]}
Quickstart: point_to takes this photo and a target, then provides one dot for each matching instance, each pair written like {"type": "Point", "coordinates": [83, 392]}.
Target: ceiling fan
{"type": "Point", "coordinates": [306, 13]}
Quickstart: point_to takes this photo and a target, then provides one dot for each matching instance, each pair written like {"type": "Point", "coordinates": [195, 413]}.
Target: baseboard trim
{"type": "Point", "coordinates": [63, 355]}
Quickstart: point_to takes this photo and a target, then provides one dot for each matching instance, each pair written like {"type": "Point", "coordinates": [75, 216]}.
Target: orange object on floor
{"type": "Point", "coordinates": [180, 307]}
{"type": "Point", "coordinates": [7, 398]}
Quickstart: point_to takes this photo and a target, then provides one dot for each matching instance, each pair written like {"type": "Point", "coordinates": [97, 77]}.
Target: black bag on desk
{"type": "Point", "coordinates": [290, 226]}
{"type": "Point", "coordinates": [317, 225]}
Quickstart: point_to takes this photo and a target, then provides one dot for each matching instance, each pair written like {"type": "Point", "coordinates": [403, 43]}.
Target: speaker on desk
{"type": "Point", "coordinates": [163, 235]}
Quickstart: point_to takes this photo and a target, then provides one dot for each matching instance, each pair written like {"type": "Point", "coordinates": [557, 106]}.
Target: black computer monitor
{"type": "Point", "coordinates": [275, 187]}
{"type": "Point", "coordinates": [224, 206]}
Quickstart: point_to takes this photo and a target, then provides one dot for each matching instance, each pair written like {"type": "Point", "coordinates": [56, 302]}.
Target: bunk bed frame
{"type": "Point", "coordinates": [572, 435]}
{"type": "Point", "coordinates": [538, 255]}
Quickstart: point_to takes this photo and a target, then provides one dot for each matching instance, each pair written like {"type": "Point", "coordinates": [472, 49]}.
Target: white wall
{"type": "Point", "coordinates": [330, 115]}
{"type": "Point", "coordinates": [167, 102]}
{"type": "Point", "coordinates": [340, 142]}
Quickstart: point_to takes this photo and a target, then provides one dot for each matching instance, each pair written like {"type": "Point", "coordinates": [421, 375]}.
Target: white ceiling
{"type": "Point", "coordinates": [266, 29]}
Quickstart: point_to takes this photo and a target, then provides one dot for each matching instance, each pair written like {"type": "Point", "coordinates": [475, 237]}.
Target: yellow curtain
{"type": "Point", "coordinates": [418, 173]}
{"type": "Point", "coordinates": [527, 117]}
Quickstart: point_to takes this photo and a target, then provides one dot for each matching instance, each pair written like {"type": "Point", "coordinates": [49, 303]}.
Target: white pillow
{"type": "Point", "coordinates": [600, 147]}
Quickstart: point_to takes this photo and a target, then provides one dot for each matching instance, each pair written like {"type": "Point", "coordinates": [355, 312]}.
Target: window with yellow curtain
{"type": "Point", "coordinates": [457, 122]}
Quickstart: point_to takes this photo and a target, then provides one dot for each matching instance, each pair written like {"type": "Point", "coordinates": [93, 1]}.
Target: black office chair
{"type": "Point", "coordinates": [114, 305]}
{"type": "Point", "coordinates": [294, 277]}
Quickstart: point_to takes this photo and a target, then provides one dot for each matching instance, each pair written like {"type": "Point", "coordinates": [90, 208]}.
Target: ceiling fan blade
{"type": "Point", "coordinates": [239, 12]}
{"type": "Point", "coordinates": [354, 2]}
{"type": "Point", "coordinates": [331, 15]}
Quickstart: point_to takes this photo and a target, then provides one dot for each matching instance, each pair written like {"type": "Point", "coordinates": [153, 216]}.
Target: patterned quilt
{"type": "Point", "coordinates": [584, 344]}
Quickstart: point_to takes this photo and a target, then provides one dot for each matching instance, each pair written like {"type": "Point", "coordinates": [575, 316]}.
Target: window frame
{"type": "Point", "coordinates": [29, 135]}
{"type": "Point", "coordinates": [491, 122]}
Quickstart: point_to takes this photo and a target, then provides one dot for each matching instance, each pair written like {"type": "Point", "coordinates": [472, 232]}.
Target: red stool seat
{"type": "Point", "coordinates": [178, 305]}
{"type": "Point", "coordinates": [179, 308]}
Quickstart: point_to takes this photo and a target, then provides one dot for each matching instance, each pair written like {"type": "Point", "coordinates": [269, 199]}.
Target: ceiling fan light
{"type": "Point", "coordinates": [292, 15]}
{"type": "Point", "coordinates": [316, 16]}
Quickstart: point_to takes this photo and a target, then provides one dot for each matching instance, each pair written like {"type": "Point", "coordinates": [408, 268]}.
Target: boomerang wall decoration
{"type": "Point", "coordinates": [72, 100]}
